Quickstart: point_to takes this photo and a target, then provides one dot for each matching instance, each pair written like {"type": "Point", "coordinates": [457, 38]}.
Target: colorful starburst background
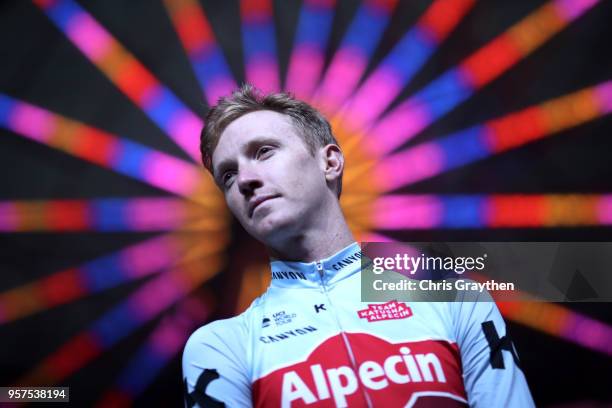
{"type": "Point", "coordinates": [460, 120]}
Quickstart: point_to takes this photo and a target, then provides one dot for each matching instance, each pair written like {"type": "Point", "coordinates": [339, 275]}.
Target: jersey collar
{"type": "Point", "coordinates": [340, 265]}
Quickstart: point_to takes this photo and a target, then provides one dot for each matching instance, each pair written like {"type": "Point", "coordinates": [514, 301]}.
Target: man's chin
{"type": "Point", "coordinates": [271, 229]}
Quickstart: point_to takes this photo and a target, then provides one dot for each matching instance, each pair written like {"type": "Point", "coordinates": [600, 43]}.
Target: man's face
{"type": "Point", "coordinates": [271, 182]}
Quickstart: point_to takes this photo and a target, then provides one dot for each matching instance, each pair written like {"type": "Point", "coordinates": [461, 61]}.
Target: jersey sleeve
{"type": "Point", "coordinates": [491, 368]}
{"type": "Point", "coordinates": [214, 367]}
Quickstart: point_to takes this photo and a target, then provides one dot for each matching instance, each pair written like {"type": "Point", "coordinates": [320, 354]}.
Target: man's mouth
{"type": "Point", "coordinates": [256, 202]}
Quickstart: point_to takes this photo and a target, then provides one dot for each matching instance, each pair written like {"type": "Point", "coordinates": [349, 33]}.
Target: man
{"type": "Point", "coordinates": [303, 342]}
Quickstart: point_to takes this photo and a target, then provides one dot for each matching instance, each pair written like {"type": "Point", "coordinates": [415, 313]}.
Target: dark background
{"type": "Point", "coordinates": [39, 65]}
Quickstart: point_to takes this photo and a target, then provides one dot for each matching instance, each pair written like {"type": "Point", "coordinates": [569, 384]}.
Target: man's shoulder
{"type": "Point", "coordinates": [219, 327]}
{"type": "Point", "coordinates": [226, 330]}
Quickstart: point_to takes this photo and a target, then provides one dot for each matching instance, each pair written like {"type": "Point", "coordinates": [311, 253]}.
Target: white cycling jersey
{"type": "Point", "coordinates": [310, 341]}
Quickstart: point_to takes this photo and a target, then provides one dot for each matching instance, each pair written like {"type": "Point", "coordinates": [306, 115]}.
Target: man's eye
{"type": "Point", "coordinates": [227, 177]}
{"type": "Point", "coordinates": [263, 152]}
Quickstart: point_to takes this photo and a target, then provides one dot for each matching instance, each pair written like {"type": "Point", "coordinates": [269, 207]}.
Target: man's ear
{"type": "Point", "coordinates": [334, 162]}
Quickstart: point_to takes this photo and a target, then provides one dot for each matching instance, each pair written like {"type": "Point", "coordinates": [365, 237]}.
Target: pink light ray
{"type": "Point", "coordinates": [306, 65]}
{"type": "Point", "coordinates": [381, 87]}
{"type": "Point", "coordinates": [395, 212]}
{"type": "Point", "coordinates": [604, 210]}
{"type": "Point", "coordinates": [33, 122]}
{"type": "Point", "coordinates": [89, 36]}
{"type": "Point", "coordinates": [172, 333]}
{"type": "Point", "coordinates": [408, 166]}
{"type": "Point", "coordinates": [604, 95]}
{"type": "Point", "coordinates": [152, 255]}
{"type": "Point", "coordinates": [166, 288]}
{"type": "Point", "coordinates": [341, 78]}
{"type": "Point", "coordinates": [262, 72]}
{"type": "Point", "coordinates": [187, 127]}
{"type": "Point", "coordinates": [9, 217]}
{"type": "Point", "coordinates": [589, 333]}
{"type": "Point", "coordinates": [171, 174]}
{"type": "Point", "coordinates": [167, 339]}
{"type": "Point", "coordinates": [406, 120]}
{"type": "Point", "coordinates": [152, 214]}
{"type": "Point", "coordinates": [219, 88]}
{"type": "Point", "coordinates": [571, 9]}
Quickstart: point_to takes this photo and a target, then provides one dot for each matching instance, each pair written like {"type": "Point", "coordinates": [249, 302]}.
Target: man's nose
{"type": "Point", "coordinates": [248, 180]}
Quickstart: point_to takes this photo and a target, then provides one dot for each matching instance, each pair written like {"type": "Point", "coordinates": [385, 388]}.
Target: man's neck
{"type": "Point", "coordinates": [319, 242]}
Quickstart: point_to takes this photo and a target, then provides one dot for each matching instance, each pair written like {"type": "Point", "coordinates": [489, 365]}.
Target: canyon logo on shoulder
{"type": "Point", "coordinates": [385, 311]}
